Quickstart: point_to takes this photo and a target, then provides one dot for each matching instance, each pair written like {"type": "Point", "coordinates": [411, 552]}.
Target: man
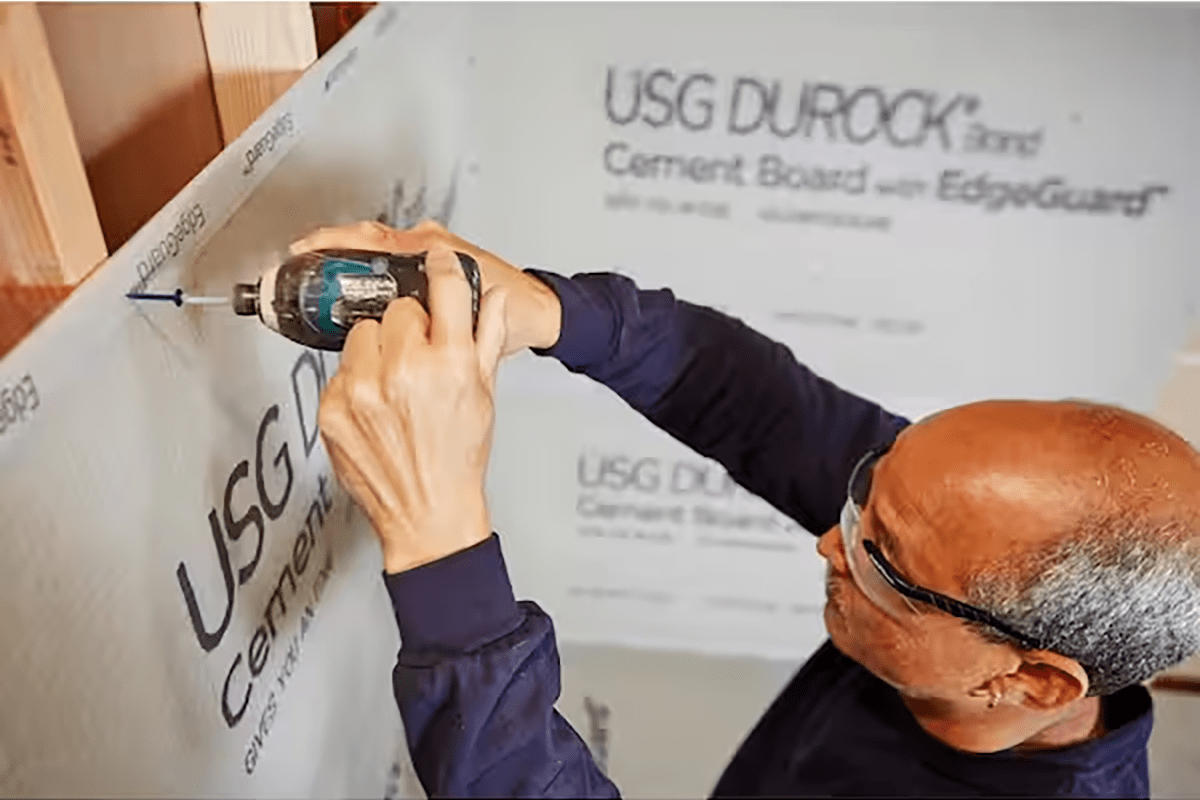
{"type": "Point", "coordinates": [1002, 576]}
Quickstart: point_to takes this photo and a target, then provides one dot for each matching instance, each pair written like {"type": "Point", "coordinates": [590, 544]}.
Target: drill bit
{"type": "Point", "coordinates": [179, 298]}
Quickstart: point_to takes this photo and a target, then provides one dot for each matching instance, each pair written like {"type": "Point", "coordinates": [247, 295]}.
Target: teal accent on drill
{"type": "Point", "coordinates": [330, 292]}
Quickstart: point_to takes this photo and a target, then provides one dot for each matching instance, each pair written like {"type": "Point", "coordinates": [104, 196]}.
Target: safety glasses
{"type": "Point", "coordinates": [879, 580]}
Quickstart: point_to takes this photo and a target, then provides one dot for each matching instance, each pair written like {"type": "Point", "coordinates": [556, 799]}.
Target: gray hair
{"type": "Point", "coordinates": [1120, 595]}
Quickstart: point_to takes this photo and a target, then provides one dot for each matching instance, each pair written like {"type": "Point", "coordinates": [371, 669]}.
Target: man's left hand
{"type": "Point", "coordinates": [407, 419]}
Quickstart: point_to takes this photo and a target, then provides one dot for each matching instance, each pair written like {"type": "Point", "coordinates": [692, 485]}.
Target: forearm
{"type": "Point", "coordinates": [476, 682]}
{"type": "Point", "coordinates": [782, 431]}
{"type": "Point", "coordinates": [721, 388]}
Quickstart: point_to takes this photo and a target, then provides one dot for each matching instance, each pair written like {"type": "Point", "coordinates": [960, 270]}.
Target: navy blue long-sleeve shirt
{"type": "Point", "coordinates": [478, 672]}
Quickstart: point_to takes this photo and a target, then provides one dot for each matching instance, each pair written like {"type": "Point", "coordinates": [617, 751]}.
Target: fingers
{"type": "Point", "coordinates": [362, 357]}
{"type": "Point", "coordinates": [492, 332]}
{"type": "Point", "coordinates": [451, 320]}
{"type": "Point", "coordinates": [343, 417]}
{"type": "Point", "coordinates": [360, 235]}
{"type": "Point", "coordinates": [405, 327]}
{"type": "Point", "coordinates": [371, 235]}
{"type": "Point", "coordinates": [429, 227]}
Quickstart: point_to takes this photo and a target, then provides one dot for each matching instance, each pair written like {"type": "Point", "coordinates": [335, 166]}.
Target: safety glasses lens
{"type": "Point", "coordinates": [866, 575]}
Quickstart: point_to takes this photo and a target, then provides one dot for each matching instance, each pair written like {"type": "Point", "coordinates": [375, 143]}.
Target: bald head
{"type": "Point", "coordinates": [1059, 516]}
{"type": "Point", "coordinates": [1016, 475]}
{"type": "Point", "coordinates": [1109, 453]}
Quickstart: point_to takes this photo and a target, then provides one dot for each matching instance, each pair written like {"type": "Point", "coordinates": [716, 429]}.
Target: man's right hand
{"type": "Point", "coordinates": [534, 314]}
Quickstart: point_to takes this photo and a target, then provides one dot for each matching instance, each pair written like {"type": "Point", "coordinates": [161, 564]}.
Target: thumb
{"type": "Point", "coordinates": [489, 340]}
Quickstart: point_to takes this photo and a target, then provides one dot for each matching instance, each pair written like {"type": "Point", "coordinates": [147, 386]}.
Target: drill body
{"type": "Point", "coordinates": [315, 298]}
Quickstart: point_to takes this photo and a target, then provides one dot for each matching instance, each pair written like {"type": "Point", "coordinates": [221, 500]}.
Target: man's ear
{"type": "Point", "coordinates": [1046, 681]}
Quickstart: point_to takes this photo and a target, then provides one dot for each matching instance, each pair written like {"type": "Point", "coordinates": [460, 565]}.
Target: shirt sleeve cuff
{"type": "Point", "coordinates": [588, 321]}
{"type": "Point", "coordinates": [458, 603]}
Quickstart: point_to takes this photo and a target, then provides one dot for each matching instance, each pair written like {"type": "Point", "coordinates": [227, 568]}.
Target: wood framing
{"type": "Point", "coordinates": [1176, 683]}
{"type": "Point", "coordinates": [256, 51]}
{"type": "Point", "coordinates": [135, 78]}
{"type": "Point", "coordinates": [49, 231]}
{"type": "Point", "coordinates": [128, 90]}
{"type": "Point", "coordinates": [333, 20]}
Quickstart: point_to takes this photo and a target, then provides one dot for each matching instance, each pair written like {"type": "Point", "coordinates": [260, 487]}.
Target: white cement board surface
{"type": "Point", "coordinates": [151, 647]}
{"type": "Point", "coordinates": [928, 203]}
{"type": "Point", "coordinates": [191, 607]}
